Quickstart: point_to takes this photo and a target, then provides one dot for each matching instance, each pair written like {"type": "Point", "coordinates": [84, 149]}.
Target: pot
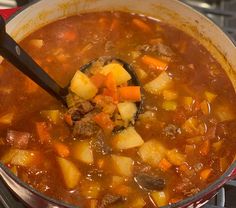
{"type": "Point", "coordinates": [173, 12]}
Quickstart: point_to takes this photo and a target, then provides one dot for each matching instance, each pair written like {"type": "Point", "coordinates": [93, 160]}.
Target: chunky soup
{"type": "Point", "coordinates": [92, 154]}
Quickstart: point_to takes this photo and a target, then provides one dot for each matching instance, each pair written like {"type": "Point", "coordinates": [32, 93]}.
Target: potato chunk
{"type": "Point", "coordinates": [152, 152]}
{"type": "Point", "coordinates": [82, 151]}
{"type": "Point", "coordinates": [70, 172]}
{"type": "Point", "coordinates": [127, 139]}
{"type": "Point", "coordinates": [82, 86]}
{"type": "Point", "coordinates": [120, 74]}
{"type": "Point", "coordinates": [156, 86]}
{"type": "Point", "coordinates": [122, 165]}
{"type": "Point", "coordinates": [127, 111]}
{"type": "Point", "coordinates": [25, 158]}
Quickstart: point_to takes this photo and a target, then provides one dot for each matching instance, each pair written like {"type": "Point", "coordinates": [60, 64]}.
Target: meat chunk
{"type": "Point", "coordinates": [171, 131]}
{"type": "Point", "coordinates": [149, 182]}
{"type": "Point", "coordinates": [109, 199]}
{"type": "Point", "coordinates": [18, 139]}
{"type": "Point", "coordinates": [99, 145]}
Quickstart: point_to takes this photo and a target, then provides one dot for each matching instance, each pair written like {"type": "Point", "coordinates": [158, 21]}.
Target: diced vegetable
{"type": "Point", "coordinates": [164, 165]}
{"type": "Point", "coordinates": [170, 95]}
{"type": "Point", "coordinates": [82, 86]}
{"type": "Point", "coordinates": [224, 164]}
{"type": "Point", "coordinates": [120, 74]}
{"type": "Point", "coordinates": [205, 173]}
{"type": "Point", "coordinates": [98, 80]}
{"type": "Point", "coordinates": [52, 115]}
{"type": "Point", "coordinates": [61, 149]}
{"type": "Point", "coordinates": [68, 119]}
{"type": "Point", "coordinates": [70, 172]}
{"type": "Point", "coordinates": [190, 148]}
{"type": "Point", "coordinates": [138, 202]}
{"type": "Point", "coordinates": [159, 198]}
{"type": "Point", "coordinates": [154, 63]}
{"type": "Point", "coordinates": [90, 189]}
{"type": "Point", "coordinates": [195, 140]}
{"type": "Point", "coordinates": [43, 133]}
{"type": "Point", "coordinates": [205, 148]}
{"type": "Point", "coordinates": [187, 103]}
{"type": "Point", "coordinates": [7, 118]}
{"type": "Point", "coordinates": [127, 139]}
{"type": "Point", "coordinates": [175, 157]}
{"type": "Point", "coordinates": [224, 113]}
{"type": "Point", "coordinates": [110, 83]}
{"type": "Point", "coordinates": [130, 93]}
{"type": "Point", "coordinates": [156, 86]}
{"type": "Point", "coordinates": [142, 25]}
{"type": "Point", "coordinates": [127, 111]}
{"type": "Point", "coordinates": [104, 121]}
{"type": "Point", "coordinates": [169, 105]}
{"type": "Point", "coordinates": [117, 180]}
{"type": "Point", "coordinates": [122, 190]}
{"type": "Point", "coordinates": [82, 151]}
{"type": "Point", "coordinates": [152, 152]}
{"type": "Point", "coordinates": [122, 165]}
{"type": "Point", "coordinates": [217, 145]}
{"type": "Point", "coordinates": [210, 96]}
{"type": "Point", "coordinates": [194, 126]}
{"type": "Point", "coordinates": [37, 43]}
{"type": "Point", "coordinates": [25, 158]}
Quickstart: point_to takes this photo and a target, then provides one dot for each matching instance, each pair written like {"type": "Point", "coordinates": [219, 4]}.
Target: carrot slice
{"type": "Point", "coordinates": [98, 80]}
{"type": "Point", "coordinates": [43, 133]}
{"type": "Point", "coordinates": [205, 148]}
{"type": "Point", "coordinates": [130, 93]}
{"type": "Point", "coordinates": [204, 174]}
{"type": "Point", "coordinates": [154, 63]}
{"type": "Point", "coordinates": [104, 121]}
{"type": "Point", "coordinates": [61, 149]}
{"type": "Point", "coordinates": [164, 165]}
{"type": "Point", "coordinates": [142, 25]}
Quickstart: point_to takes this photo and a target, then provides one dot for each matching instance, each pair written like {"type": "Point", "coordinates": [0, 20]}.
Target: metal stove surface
{"type": "Point", "coordinates": [223, 13]}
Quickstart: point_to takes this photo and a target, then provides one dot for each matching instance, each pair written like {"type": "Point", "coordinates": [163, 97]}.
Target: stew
{"type": "Point", "coordinates": [93, 154]}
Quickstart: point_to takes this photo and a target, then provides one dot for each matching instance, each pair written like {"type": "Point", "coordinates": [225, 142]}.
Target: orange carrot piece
{"type": "Point", "coordinates": [142, 25]}
{"type": "Point", "coordinates": [164, 165]}
{"type": "Point", "coordinates": [69, 35]}
{"type": "Point", "coordinates": [61, 149]}
{"type": "Point", "coordinates": [204, 174]}
{"type": "Point", "coordinates": [68, 119]}
{"type": "Point", "coordinates": [98, 80]}
{"type": "Point", "coordinates": [42, 131]}
{"type": "Point", "coordinates": [122, 190]}
{"type": "Point", "coordinates": [205, 147]}
{"type": "Point", "coordinates": [110, 83]}
{"type": "Point", "coordinates": [130, 93]}
{"type": "Point", "coordinates": [104, 121]}
{"type": "Point", "coordinates": [154, 63]}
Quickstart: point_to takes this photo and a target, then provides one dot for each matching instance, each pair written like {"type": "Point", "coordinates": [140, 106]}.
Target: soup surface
{"type": "Point", "coordinates": [182, 141]}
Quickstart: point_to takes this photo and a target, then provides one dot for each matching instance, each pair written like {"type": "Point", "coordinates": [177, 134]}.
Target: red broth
{"type": "Point", "coordinates": [187, 125]}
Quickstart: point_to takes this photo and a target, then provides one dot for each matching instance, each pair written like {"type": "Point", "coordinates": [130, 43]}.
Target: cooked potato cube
{"type": "Point", "coordinates": [82, 151]}
{"type": "Point", "coordinates": [116, 180]}
{"type": "Point", "coordinates": [210, 96]}
{"type": "Point", "coordinates": [159, 198]}
{"type": "Point", "coordinates": [169, 105]}
{"type": "Point", "coordinates": [120, 74]}
{"type": "Point", "coordinates": [25, 158]}
{"type": "Point", "coordinates": [175, 157]}
{"type": "Point", "coordinates": [122, 165]}
{"type": "Point", "coordinates": [70, 172]}
{"type": "Point", "coordinates": [170, 95]}
{"type": "Point", "coordinates": [127, 111]}
{"type": "Point", "coordinates": [156, 86]}
{"type": "Point", "coordinates": [138, 202]}
{"type": "Point", "coordinates": [127, 139]}
{"type": "Point", "coordinates": [152, 152]}
{"type": "Point", "coordinates": [82, 86]}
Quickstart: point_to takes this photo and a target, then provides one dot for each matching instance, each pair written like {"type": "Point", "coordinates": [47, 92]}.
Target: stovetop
{"type": "Point", "coordinates": [223, 13]}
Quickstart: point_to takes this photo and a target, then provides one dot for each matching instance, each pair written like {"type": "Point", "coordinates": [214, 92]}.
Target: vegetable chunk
{"type": "Point", "coordinates": [156, 86]}
{"type": "Point", "coordinates": [127, 111]}
{"type": "Point", "coordinates": [122, 165]}
{"type": "Point", "coordinates": [152, 152]}
{"type": "Point", "coordinates": [82, 151]}
{"type": "Point", "coordinates": [82, 86]}
{"type": "Point", "coordinates": [120, 74]}
{"type": "Point", "coordinates": [70, 172]}
{"type": "Point", "coordinates": [127, 139]}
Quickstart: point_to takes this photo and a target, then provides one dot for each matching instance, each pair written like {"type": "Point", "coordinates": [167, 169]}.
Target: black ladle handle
{"type": "Point", "coordinates": [11, 51]}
